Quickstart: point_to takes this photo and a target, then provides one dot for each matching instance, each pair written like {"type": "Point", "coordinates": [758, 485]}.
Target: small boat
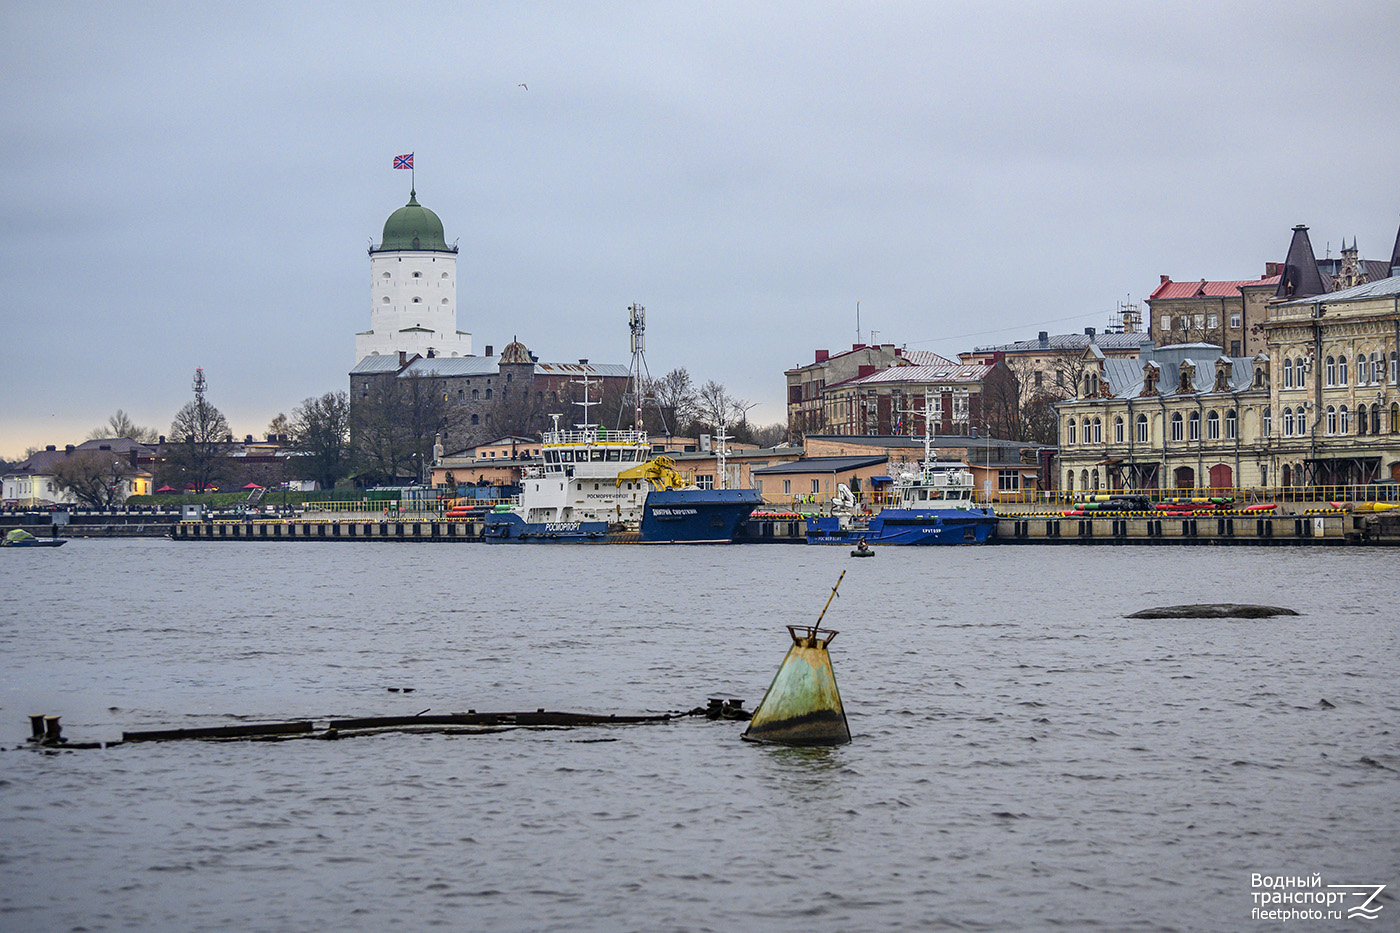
{"type": "Point", "coordinates": [862, 549]}
{"type": "Point", "coordinates": [21, 538]}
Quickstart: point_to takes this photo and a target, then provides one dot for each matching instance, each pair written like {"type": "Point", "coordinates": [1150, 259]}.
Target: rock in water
{"type": "Point", "coordinates": [1213, 611]}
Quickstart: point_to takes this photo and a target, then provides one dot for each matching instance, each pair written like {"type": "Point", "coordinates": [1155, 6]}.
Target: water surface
{"type": "Point", "coordinates": [1024, 758]}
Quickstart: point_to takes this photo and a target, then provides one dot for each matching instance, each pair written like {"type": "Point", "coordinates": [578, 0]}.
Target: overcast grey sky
{"type": "Point", "coordinates": [195, 184]}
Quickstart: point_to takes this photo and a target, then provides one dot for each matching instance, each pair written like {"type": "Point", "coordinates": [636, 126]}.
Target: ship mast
{"type": "Point", "coordinates": [586, 403]}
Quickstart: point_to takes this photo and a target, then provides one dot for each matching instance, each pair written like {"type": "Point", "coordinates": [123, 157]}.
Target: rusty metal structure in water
{"type": "Point", "coordinates": [802, 705]}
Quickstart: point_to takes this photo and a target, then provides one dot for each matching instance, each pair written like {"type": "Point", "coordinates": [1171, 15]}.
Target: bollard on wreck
{"type": "Point", "coordinates": [802, 705]}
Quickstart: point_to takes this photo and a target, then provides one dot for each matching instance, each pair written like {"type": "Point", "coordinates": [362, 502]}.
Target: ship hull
{"type": "Point", "coordinates": [509, 528]}
{"type": "Point", "coordinates": [696, 516]}
{"type": "Point", "coordinates": [919, 527]}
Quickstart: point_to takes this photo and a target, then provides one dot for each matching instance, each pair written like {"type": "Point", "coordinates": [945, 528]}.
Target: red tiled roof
{"type": "Point", "coordinates": [1204, 289]}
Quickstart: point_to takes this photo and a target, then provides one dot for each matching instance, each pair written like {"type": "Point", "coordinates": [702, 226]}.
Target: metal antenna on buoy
{"type": "Point", "coordinates": [828, 602]}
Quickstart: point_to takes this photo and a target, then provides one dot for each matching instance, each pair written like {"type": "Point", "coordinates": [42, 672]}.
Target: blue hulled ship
{"type": "Point", "coordinates": [933, 505]}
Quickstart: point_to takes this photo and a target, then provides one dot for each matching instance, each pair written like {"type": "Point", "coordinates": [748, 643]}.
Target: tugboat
{"type": "Point", "coordinates": [933, 506]}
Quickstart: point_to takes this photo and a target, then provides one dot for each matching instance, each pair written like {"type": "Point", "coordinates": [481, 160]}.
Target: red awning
{"type": "Point", "coordinates": [252, 486]}
{"type": "Point", "coordinates": [166, 489]}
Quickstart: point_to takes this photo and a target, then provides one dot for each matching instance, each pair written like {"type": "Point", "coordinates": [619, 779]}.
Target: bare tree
{"type": "Point", "coordinates": [96, 478]}
{"type": "Point", "coordinates": [675, 395]}
{"type": "Point", "coordinates": [199, 440]}
{"type": "Point", "coordinates": [121, 425]}
{"type": "Point", "coordinates": [378, 435]}
{"type": "Point", "coordinates": [320, 435]}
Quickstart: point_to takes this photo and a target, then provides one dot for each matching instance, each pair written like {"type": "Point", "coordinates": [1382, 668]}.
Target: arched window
{"type": "Point", "coordinates": [1069, 432]}
{"type": "Point", "coordinates": [1394, 372]}
{"type": "Point", "coordinates": [1288, 422]}
{"type": "Point", "coordinates": [1084, 480]}
{"type": "Point", "coordinates": [417, 275]}
{"type": "Point", "coordinates": [386, 276]}
{"type": "Point", "coordinates": [1118, 430]}
{"type": "Point", "coordinates": [384, 300]}
{"type": "Point", "coordinates": [476, 419]}
{"type": "Point", "coordinates": [1213, 426]}
{"type": "Point", "coordinates": [1360, 419]}
{"type": "Point", "coordinates": [1331, 420]}
{"type": "Point", "coordinates": [1142, 429]}
{"type": "Point", "coordinates": [1376, 418]}
{"type": "Point", "coordinates": [418, 301]}
{"type": "Point", "coordinates": [1095, 479]}
{"type": "Point", "coordinates": [488, 393]}
{"type": "Point", "coordinates": [1341, 370]}
{"type": "Point", "coordinates": [1343, 421]}
{"type": "Point", "coordinates": [1331, 371]}
{"type": "Point", "coordinates": [1232, 425]}
{"type": "Point", "coordinates": [474, 392]}
{"type": "Point", "coordinates": [444, 301]}
{"type": "Point", "coordinates": [444, 275]}
{"type": "Point", "coordinates": [1268, 423]}
{"type": "Point", "coordinates": [1377, 368]}
{"type": "Point", "coordinates": [1288, 374]}
{"type": "Point", "coordinates": [1363, 370]}
{"type": "Point", "coordinates": [1395, 417]}
{"type": "Point", "coordinates": [1176, 426]}
{"type": "Point", "coordinates": [1098, 431]}
{"type": "Point", "coordinates": [1194, 426]}
{"type": "Point", "coordinates": [1069, 481]}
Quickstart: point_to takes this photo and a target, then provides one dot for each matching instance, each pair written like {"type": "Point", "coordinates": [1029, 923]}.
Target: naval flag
{"type": "Point", "coordinates": [403, 161]}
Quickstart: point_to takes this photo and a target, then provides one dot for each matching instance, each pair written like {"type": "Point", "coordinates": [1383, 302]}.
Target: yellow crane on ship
{"type": "Point", "coordinates": [660, 472]}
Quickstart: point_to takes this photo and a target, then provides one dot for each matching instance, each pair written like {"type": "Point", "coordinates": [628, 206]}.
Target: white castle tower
{"type": "Point", "coordinates": [413, 289]}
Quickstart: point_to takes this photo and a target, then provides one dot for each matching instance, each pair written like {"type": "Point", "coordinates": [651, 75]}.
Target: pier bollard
{"type": "Point", "coordinates": [802, 705]}
{"type": "Point", "coordinates": [36, 726]}
{"type": "Point", "coordinates": [52, 731]}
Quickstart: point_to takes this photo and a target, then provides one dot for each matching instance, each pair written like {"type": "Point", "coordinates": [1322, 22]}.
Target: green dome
{"type": "Point", "coordinates": [413, 226]}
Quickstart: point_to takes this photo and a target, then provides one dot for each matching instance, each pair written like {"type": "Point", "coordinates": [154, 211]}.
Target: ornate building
{"type": "Point", "coordinates": [1180, 417]}
{"type": "Point", "coordinates": [1336, 386]}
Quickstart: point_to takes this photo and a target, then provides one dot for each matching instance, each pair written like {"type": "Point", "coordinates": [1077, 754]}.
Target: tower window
{"type": "Point", "coordinates": [384, 300]}
{"type": "Point", "coordinates": [418, 301]}
{"type": "Point", "coordinates": [417, 275]}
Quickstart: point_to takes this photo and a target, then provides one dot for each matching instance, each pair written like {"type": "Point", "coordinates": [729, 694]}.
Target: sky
{"type": "Point", "coordinates": [195, 185]}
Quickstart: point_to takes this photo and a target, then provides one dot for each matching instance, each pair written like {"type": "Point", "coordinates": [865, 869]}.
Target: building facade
{"type": "Point", "coordinates": [1225, 313]}
{"type": "Point", "coordinates": [806, 385]}
{"type": "Point", "coordinates": [1183, 417]}
{"type": "Point", "coordinates": [894, 400]}
{"type": "Point", "coordinates": [1337, 385]}
{"type": "Point", "coordinates": [413, 290]}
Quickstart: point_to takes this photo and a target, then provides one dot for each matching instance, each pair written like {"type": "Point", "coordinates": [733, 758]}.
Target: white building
{"type": "Point", "coordinates": [413, 290]}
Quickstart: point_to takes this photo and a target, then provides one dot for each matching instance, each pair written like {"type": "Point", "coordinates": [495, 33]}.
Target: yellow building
{"type": "Point", "coordinates": [1335, 385]}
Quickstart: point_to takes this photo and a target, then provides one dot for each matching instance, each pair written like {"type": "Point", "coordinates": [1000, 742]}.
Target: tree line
{"type": "Point", "coordinates": [387, 436]}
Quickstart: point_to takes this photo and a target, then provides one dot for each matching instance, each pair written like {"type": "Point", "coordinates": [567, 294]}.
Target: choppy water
{"type": "Point", "coordinates": [1024, 757]}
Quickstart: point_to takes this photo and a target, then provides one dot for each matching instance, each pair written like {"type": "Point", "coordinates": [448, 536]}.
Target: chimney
{"type": "Point", "coordinates": [247, 438]}
{"type": "Point", "coordinates": [1165, 279]}
{"type": "Point", "coordinates": [403, 359]}
{"type": "Point", "coordinates": [1045, 338]}
{"type": "Point", "coordinates": [131, 454]}
{"type": "Point", "coordinates": [490, 350]}
{"type": "Point", "coordinates": [583, 362]}
{"type": "Point", "coordinates": [1090, 333]}
{"type": "Point", "coordinates": [823, 356]}
{"type": "Point", "coordinates": [161, 440]}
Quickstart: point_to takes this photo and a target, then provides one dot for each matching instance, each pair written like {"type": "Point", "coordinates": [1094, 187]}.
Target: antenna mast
{"type": "Point", "coordinates": [586, 403]}
{"type": "Point", "coordinates": [637, 322]}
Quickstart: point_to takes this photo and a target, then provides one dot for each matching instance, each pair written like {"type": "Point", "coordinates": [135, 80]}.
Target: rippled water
{"type": "Point", "coordinates": [1024, 757]}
